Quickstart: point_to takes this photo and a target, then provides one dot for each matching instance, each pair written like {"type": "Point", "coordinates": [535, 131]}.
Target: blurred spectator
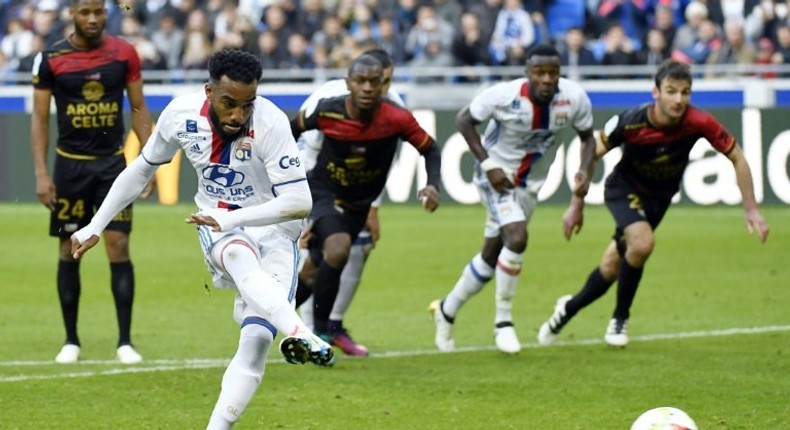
{"type": "Point", "coordinates": [310, 18]}
{"type": "Point", "coordinates": [765, 53]}
{"type": "Point", "coordinates": [487, 12]}
{"type": "Point", "coordinates": [234, 30]}
{"type": "Point", "coordinates": [182, 10]}
{"type": "Point", "coordinates": [197, 45]}
{"type": "Point", "coordinates": [762, 20]}
{"type": "Point", "coordinates": [428, 28]}
{"type": "Point", "coordinates": [392, 41]}
{"type": "Point", "coordinates": [782, 54]}
{"type": "Point", "coordinates": [341, 55]}
{"type": "Point", "coordinates": [16, 43]}
{"type": "Point", "coordinates": [707, 41]}
{"type": "Point", "coordinates": [298, 58]}
{"type": "Point", "coordinates": [630, 14]}
{"type": "Point", "coordinates": [664, 21]}
{"type": "Point", "coordinates": [575, 53]}
{"type": "Point", "coordinates": [362, 17]}
{"type": "Point", "coordinates": [270, 53]}
{"type": "Point", "coordinates": [513, 34]}
{"type": "Point", "coordinates": [405, 15]}
{"type": "Point", "coordinates": [619, 48]}
{"type": "Point", "coordinates": [734, 50]}
{"type": "Point", "coordinates": [448, 11]}
{"type": "Point", "coordinates": [152, 13]}
{"type": "Point", "coordinates": [655, 49]}
{"type": "Point", "coordinates": [435, 54]}
{"type": "Point", "coordinates": [36, 46]}
{"type": "Point", "coordinates": [330, 36]}
{"type": "Point", "coordinates": [46, 21]}
{"type": "Point", "coordinates": [253, 9]}
{"type": "Point", "coordinates": [132, 32]}
{"type": "Point", "coordinates": [696, 12]}
{"type": "Point", "coordinates": [469, 48]}
{"type": "Point", "coordinates": [274, 21]}
{"type": "Point", "coordinates": [169, 40]}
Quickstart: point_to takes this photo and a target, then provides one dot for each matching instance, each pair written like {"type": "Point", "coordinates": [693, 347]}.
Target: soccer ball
{"type": "Point", "coordinates": [664, 418]}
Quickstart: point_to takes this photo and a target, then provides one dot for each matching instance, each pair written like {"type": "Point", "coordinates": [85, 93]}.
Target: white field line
{"type": "Point", "coordinates": [149, 366]}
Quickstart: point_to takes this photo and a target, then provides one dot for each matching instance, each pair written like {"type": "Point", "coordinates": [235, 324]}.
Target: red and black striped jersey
{"type": "Point", "coordinates": [356, 156]}
{"type": "Point", "coordinates": [654, 159]}
{"type": "Point", "coordinates": [88, 87]}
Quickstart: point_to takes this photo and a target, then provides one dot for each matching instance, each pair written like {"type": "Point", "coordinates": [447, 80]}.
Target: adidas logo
{"type": "Point", "coordinates": [195, 148]}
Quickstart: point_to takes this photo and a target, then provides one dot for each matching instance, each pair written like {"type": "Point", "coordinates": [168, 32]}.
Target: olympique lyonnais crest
{"type": "Point", "coordinates": [243, 150]}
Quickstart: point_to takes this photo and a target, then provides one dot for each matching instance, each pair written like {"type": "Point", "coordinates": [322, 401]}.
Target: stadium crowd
{"type": "Point", "coordinates": [325, 34]}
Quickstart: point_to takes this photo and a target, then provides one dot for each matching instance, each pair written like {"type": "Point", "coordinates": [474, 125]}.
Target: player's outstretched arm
{"type": "Point", "coordinates": [743, 175]}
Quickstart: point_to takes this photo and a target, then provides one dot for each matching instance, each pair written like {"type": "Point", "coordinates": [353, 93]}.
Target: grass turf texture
{"type": "Point", "coordinates": [706, 275]}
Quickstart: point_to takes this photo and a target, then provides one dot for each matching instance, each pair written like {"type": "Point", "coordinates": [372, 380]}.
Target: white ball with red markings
{"type": "Point", "coordinates": [664, 418]}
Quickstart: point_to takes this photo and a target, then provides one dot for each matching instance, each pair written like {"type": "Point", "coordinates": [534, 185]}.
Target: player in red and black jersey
{"type": "Point", "coordinates": [361, 133]}
{"type": "Point", "coordinates": [87, 73]}
{"type": "Point", "coordinates": [656, 140]}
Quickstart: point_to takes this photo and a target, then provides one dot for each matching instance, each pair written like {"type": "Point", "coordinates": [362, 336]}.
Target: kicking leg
{"type": "Point", "coordinates": [244, 373]}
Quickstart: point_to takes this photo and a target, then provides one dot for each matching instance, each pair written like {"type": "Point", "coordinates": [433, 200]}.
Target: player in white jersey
{"type": "Point", "coordinates": [252, 195]}
{"type": "Point", "coordinates": [310, 143]}
{"type": "Point", "coordinates": [514, 156]}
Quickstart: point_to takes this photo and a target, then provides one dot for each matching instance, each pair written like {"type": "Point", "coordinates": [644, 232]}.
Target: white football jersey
{"type": "Point", "coordinates": [242, 173]}
{"type": "Point", "coordinates": [521, 133]}
{"type": "Point", "coordinates": [310, 141]}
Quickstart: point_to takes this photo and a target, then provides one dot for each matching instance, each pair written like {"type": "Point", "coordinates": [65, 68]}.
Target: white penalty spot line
{"type": "Point", "coordinates": [151, 366]}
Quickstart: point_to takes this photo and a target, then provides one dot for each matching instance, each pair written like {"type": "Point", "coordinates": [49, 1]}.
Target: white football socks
{"type": "Point", "coordinates": [472, 280]}
{"type": "Point", "coordinates": [349, 281]}
{"type": "Point", "coordinates": [508, 268]}
{"type": "Point", "coordinates": [242, 377]}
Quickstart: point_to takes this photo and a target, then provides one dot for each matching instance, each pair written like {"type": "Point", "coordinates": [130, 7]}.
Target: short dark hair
{"type": "Point", "coordinates": [381, 55]}
{"type": "Point", "coordinates": [237, 65]}
{"type": "Point", "coordinates": [542, 50]}
{"type": "Point", "coordinates": [364, 60]}
{"type": "Point", "coordinates": [673, 69]}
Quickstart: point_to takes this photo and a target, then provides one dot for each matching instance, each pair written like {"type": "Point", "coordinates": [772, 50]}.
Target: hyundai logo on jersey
{"type": "Point", "coordinates": [191, 126]}
{"type": "Point", "coordinates": [223, 175]}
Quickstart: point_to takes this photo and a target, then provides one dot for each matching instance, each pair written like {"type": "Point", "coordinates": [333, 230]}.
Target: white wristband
{"type": "Point", "coordinates": [489, 164]}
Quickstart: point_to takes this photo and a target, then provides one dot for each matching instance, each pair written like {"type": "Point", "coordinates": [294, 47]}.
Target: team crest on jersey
{"type": "Point", "coordinates": [560, 118]}
{"type": "Point", "coordinates": [93, 91]}
{"type": "Point", "coordinates": [191, 126]}
{"type": "Point", "coordinates": [243, 151]}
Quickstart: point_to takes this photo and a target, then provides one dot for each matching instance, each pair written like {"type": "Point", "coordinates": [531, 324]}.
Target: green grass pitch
{"type": "Point", "coordinates": [710, 332]}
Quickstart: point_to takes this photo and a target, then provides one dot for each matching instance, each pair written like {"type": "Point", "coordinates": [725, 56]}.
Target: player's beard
{"type": "Point", "coordinates": [217, 125]}
{"type": "Point", "coordinates": [91, 39]}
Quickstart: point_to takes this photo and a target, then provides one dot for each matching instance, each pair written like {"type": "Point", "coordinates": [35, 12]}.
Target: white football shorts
{"type": "Point", "coordinates": [278, 255]}
{"type": "Point", "coordinates": [514, 205]}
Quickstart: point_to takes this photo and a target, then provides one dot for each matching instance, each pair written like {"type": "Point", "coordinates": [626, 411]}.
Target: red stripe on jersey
{"type": "Point", "coordinates": [112, 50]}
{"type": "Point", "coordinates": [216, 141]}
{"type": "Point", "coordinates": [523, 168]}
{"type": "Point", "coordinates": [537, 110]}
